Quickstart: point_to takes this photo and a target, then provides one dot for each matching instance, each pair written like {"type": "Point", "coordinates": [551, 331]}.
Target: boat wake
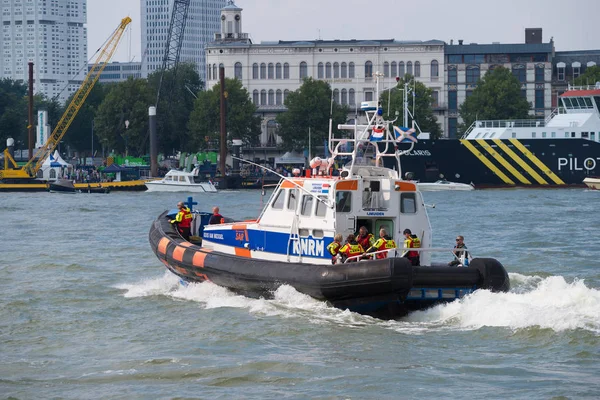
{"type": "Point", "coordinates": [533, 302]}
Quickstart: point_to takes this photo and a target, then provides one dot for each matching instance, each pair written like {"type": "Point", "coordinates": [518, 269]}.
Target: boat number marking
{"type": "Point", "coordinates": [210, 235]}
{"type": "Point", "coordinates": [573, 164]}
{"type": "Point", "coordinates": [309, 247]}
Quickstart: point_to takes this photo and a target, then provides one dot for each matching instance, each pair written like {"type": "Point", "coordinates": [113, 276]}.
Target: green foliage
{"type": "Point", "coordinates": [497, 96]}
{"type": "Point", "coordinates": [205, 121]}
{"type": "Point", "coordinates": [13, 111]}
{"type": "Point", "coordinates": [590, 77]}
{"type": "Point", "coordinates": [309, 107]}
{"type": "Point", "coordinates": [422, 110]}
{"type": "Point", "coordinates": [79, 135]}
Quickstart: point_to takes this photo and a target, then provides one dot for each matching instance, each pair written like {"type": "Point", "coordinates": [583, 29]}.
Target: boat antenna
{"type": "Point", "coordinates": [328, 204]}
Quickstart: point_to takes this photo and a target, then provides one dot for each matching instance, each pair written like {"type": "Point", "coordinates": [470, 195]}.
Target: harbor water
{"type": "Point", "coordinates": [88, 312]}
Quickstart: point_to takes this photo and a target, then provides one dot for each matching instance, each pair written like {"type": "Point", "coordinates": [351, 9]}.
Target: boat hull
{"type": "Point", "coordinates": [383, 288]}
{"type": "Point", "coordinates": [592, 182]}
{"type": "Point", "coordinates": [158, 186]}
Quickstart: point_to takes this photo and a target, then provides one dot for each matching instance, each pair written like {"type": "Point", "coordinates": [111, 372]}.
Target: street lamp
{"type": "Point", "coordinates": [126, 127]}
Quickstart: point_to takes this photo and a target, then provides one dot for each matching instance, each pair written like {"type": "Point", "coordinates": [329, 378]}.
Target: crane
{"type": "Point", "coordinates": [30, 169]}
{"type": "Point", "coordinates": [174, 40]}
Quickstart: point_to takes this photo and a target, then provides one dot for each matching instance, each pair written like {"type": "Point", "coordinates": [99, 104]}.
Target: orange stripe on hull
{"type": "Point", "coordinates": [289, 184]}
{"type": "Point", "coordinates": [406, 186]}
{"type": "Point", "coordinates": [347, 185]}
{"type": "Point", "coordinates": [162, 245]}
{"type": "Point", "coordinates": [199, 256]}
{"type": "Point", "coordinates": [178, 253]}
{"type": "Point", "coordinates": [185, 244]}
{"type": "Point", "coordinates": [238, 227]}
{"type": "Point", "coordinates": [242, 252]}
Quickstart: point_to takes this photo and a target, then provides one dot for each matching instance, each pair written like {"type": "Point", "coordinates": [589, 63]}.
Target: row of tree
{"type": "Point", "coordinates": [115, 116]}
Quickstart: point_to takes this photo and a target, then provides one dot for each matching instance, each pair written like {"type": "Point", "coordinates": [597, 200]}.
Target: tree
{"type": "Point", "coordinates": [497, 96]}
{"type": "Point", "coordinates": [204, 124]}
{"type": "Point", "coordinates": [589, 77]}
{"type": "Point", "coordinates": [422, 109]}
{"type": "Point", "coordinates": [13, 111]}
{"type": "Point", "coordinates": [309, 107]}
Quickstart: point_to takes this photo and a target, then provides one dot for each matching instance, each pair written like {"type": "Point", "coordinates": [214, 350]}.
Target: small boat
{"type": "Point", "coordinates": [443, 185]}
{"type": "Point", "coordinates": [62, 186]}
{"type": "Point", "coordinates": [593, 182]}
{"type": "Point", "coordinates": [287, 244]}
{"type": "Point", "coordinates": [181, 181]}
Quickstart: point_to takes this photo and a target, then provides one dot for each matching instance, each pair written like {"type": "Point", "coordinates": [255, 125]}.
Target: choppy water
{"type": "Point", "coordinates": [88, 312]}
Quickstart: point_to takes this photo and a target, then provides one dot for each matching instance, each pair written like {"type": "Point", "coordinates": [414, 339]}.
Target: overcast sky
{"type": "Point", "coordinates": [573, 24]}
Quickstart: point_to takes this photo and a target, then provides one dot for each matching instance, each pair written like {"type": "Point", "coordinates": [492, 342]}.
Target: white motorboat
{"type": "Point", "coordinates": [592, 182]}
{"type": "Point", "coordinates": [443, 185]}
{"type": "Point", "coordinates": [181, 181]}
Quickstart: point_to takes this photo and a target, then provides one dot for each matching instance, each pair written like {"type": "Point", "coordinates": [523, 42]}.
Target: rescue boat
{"type": "Point", "coordinates": [287, 243]}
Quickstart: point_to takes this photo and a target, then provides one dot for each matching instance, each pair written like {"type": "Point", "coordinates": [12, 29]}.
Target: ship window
{"type": "Point", "coordinates": [581, 102]}
{"type": "Point", "coordinates": [572, 134]}
{"type": "Point", "coordinates": [408, 203]}
{"type": "Point", "coordinates": [567, 102]}
{"type": "Point", "coordinates": [321, 207]}
{"type": "Point", "coordinates": [318, 233]}
{"type": "Point", "coordinates": [553, 134]}
{"type": "Point", "coordinates": [592, 136]}
{"type": "Point", "coordinates": [182, 179]}
{"type": "Point", "coordinates": [584, 135]}
{"type": "Point", "coordinates": [588, 102]}
{"type": "Point", "coordinates": [279, 199]}
{"type": "Point", "coordinates": [533, 134]}
{"type": "Point", "coordinates": [485, 135]}
{"type": "Point", "coordinates": [343, 201]}
{"type": "Point", "coordinates": [292, 199]}
{"type": "Point", "coordinates": [307, 202]}
{"type": "Point", "coordinates": [514, 134]}
{"type": "Point", "coordinates": [303, 232]}
{"type": "Point", "coordinates": [543, 134]}
{"type": "Point", "coordinates": [566, 134]}
{"type": "Point", "coordinates": [479, 134]}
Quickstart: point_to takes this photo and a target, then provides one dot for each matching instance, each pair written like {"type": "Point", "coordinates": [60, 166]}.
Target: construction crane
{"type": "Point", "coordinates": [174, 40]}
{"type": "Point", "coordinates": [31, 169]}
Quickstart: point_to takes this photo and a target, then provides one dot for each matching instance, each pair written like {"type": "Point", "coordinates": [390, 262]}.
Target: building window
{"type": "Point", "coordinates": [368, 69]}
{"type": "Point", "coordinates": [560, 71]}
{"type": "Point", "coordinates": [473, 74]}
{"type": "Point", "coordinates": [263, 71]}
{"type": "Point", "coordinates": [336, 96]}
{"type": "Point", "coordinates": [303, 70]}
{"type": "Point", "coordinates": [576, 69]}
{"type": "Point", "coordinates": [328, 70]}
{"type": "Point", "coordinates": [394, 71]}
{"type": "Point", "coordinates": [417, 69]}
{"type": "Point", "coordinates": [520, 72]}
{"type": "Point", "coordinates": [524, 93]}
{"type": "Point", "coordinates": [271, 97]}
{"type": "Point", "coordinates": [452, 132]}
{"type": "Point", "coordinates": [386, 69]}
{"type": "Point", "coordinates": [474, 58]}
{"type": "Point", "coordinates": [539, 74]}
{"type": "Point", "coordinates": [452, 74]}
{"type": "Point", "coordinates": [351, 71]}
{"type": "Point", "coordinates": [344, 70]}
{"type": "Point", "coordinates": [263, 97]}
{"type": "Point", "coordinates": [351, 97]}
{"type": "Point", "coordinates": [401, 69]}
{"type": "Point", "coordinates": [336, 70]}
{"type": "Point", "coordinates": [278, 98]}
{"type": "Point", "coordinates": [468, 94]}
{"type": "Point", "coordinates": [255, 98]}
{"type": "Point", "coordinates": [368, 96]}
{"type": "Point", "coordinates": [344, 97]}
{"type": "Point", "coordinates": [271, 71]}
{"type": "Point", "coordinates": [286, 71]}
{"type": "Point", "coordinates": [452, 100]}
{"type": "Point", "coordinates": [539, 99]}
{"type": "Point", "coordinates": [285, 95]}
{"type": "Point", "coordinates": [278, 71]}
{"type": "Point", "coordinates": [455, 59]}
{"type": "Point", "coordinates": [409, 68]}
{"type": "Point", "coordinates": [238, 70]}
{"type": "Point", "coordinates": [320, 71]}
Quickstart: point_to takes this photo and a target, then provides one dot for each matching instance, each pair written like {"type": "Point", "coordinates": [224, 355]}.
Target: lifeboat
{"type": "Point", "coordinates": [288, 243]}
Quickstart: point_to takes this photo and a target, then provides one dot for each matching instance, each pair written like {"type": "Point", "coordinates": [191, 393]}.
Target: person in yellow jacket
{"type": "Point", "coordinates": [364, 238]}
{"type": "Point", "coordinates": [351, 249]}
{"type": "Point", "coordinates": [383, 243]}
{"type": "Point", "coordinates": [412, 242]}
{"type": "Point", "coordinates": [334, 247]}
{"type": "Point", "coordinates": [183, 219]}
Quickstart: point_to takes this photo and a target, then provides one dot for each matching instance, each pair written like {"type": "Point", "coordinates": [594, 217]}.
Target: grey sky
{"type": "Point", "coordinates": [573, 24]}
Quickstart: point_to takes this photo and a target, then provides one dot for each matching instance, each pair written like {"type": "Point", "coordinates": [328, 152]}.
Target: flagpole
{"type": "Point", "coordinates": [309, 149]}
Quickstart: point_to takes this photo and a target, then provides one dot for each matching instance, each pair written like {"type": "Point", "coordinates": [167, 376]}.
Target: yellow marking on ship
{"type": "Point", "coordinates": [503, 162]}
{"type": "Point", "coordinates": [537, 162]}
{"type": "Point", "coordinates": [508, 151]}
{"type": "Point", "coordinates": [486, 162]}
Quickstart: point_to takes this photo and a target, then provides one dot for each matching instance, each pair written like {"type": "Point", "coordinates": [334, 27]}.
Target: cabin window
{"type": "Point", "coordinates": [321, 207]}
{"type": "Point", "coordinates": [303, 232]}
{"type": "Point", "coordinates": [514, 134]}
{"type": "Point", "coordinates": [543, 134]}
{"type": "Point", "coordinates": [584, 135]}
{"type": "Point", "coordinates": [479, 134]}
{"type": "Point", "coordinates": [408, 203]}
{"type": "Point", "coordinates": [343, 201]}
{"type": "Point", "coordinates": [566, 134]}
{"type": "Point", "coordinates": [292, 199]}
{"type": "Point", "coordinates": [572, 134]}
{"type": "Point", "coordinates": [533, 135]}
{"type": "Point", "coordinates": [307, 202]}
{"type": "Point", "coordinates": [318, 233]}
{"type": "Point", "coordinates": [588, 102]}
{"type": "Point", "coordinates": [182, 179]}
{"type": "Point", "coordinates": [553, 134]}
{"type": "Point", "coordinates": [592, 136]}
{"type": "Point", "coordinates": [279, 199]}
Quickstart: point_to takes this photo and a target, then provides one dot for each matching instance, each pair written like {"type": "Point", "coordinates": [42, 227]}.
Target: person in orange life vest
{"type": "Point", "coordinates": [183, 219]}
{"type": "Point", "coordinates": [351, 249]}
{"type": "Point", "coordinates": [412, 242]}
{"type": "Point", "coordinates": [383, 243]}
{"type": "Point", "coordinates": [364, 238]}
{"type": "Point", "coordinates": [334, 247]}
{"type": "Point", "coordinates": [216, 218]}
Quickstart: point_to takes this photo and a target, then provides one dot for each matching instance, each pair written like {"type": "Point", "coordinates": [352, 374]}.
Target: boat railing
{"type": "Point", "coordinates": [584, 87]}
{"type": "Point", "coordinates": [509, 123]}
{"type": "Point", "coordinates": [401, 251]}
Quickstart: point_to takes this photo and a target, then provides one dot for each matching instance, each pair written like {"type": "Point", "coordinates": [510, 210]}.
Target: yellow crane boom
{"type": "Point", "coordinates": [30, 169]}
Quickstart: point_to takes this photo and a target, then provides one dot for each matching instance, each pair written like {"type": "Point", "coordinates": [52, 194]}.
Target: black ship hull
{"type": "Point", "coordinates": [502, 163]}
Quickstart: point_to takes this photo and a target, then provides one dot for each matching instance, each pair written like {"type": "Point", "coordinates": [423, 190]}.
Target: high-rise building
{"type": "Point", "coordinates": [203, 21]}
{"type": "Point", "coordinates": [52, 35]}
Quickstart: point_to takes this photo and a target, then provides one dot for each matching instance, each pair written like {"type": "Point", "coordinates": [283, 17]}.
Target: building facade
{"type": "Point", "coordinates": [203, 21]}
{"type": "Point", "coordinates": [119, 72]}
{"type": "Point", "coordinates": [530, 63]}
{"type": "Point", "coordinates": [271, 70]}
{"type": "Point", "coordinates": [568, 65]}
{"type": "Point", "coordinates": [52, 35]}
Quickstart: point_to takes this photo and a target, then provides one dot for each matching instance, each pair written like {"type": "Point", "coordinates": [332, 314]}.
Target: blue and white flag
{"type": "Point", "coordinates": [377, 133]}
{"type": "Point", "coordinates": [405, 135]}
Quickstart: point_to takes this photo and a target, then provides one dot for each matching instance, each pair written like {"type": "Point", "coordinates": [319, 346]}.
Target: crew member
{"type": "Point", "coordinates": [351, 249]}
{"type": "Point", "coordinates": [183, 219]}
{"type": "Point", "coordinates": [458, 251]}
{"type": "Point", "coordinates": [216, 218]}
{"type": "Point", "coordinates": [412, 242]}
{"type": "Point", "coordinates": [364, 238]}
{"type": "Point", "coordinates": [334, 247]}
{"type": "Point", "coordinates": [383, 243]}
